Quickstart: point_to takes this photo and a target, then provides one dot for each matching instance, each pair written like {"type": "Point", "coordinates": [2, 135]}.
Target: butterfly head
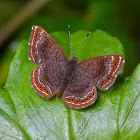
{"type": "Point", "coordinates": [74, 60]}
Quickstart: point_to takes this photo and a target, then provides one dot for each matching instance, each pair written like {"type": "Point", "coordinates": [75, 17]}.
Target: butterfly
{"type": "Point", "coordinates": [57, 74]}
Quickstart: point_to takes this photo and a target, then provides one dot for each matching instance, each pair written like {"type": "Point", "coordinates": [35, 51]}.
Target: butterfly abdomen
{"type": "Point", "coordinates": [70, 67]}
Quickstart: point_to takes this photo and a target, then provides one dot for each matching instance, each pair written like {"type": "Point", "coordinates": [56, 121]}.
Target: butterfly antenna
{"type": "Point", "coordinates": [70, 39]}
{"type": "Point", "coordinates": [82, 42]}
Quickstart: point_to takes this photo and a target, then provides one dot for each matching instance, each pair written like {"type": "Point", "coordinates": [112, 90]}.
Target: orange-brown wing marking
{"type": "Point", "coordinates": [45, 79]}
{"type": "Point", "coordinates": [43, 49]}
{"type": "Point", "coordinates": [102, 70]}
{"type": "Point", "coordinates": [80, 92]}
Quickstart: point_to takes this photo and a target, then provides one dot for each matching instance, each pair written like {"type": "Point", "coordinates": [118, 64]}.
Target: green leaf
{"type": "Point", "coordinates": [9, 127]}
{"type": "Point", "coordinates": [129, 108]}
{"type": "Point", "coordinates": [114, 115]}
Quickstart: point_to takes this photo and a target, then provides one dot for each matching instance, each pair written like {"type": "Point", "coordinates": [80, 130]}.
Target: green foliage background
{"type": "Point", "coordinates": [115, 115]}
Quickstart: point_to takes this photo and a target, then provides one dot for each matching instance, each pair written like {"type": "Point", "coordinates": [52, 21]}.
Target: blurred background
{"type": "Point", "coordinates": [120, 18]}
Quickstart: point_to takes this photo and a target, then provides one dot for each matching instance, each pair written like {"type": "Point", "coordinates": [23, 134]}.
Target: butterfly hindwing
{"type": "Point", "coordinates": [102, 70]}
{"type": "Point", "coordinates": [80, 92]}
{"type": "Point", "coordinates": [42, 48]}
{"type": "Point", "coordinates": [46, 78]}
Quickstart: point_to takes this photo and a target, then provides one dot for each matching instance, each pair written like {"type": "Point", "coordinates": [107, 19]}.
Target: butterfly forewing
{"type": "Point", "coordinates": [43, 49]}
{"type": "Point", "coordinates": [80, 92]}
{"type": "Point", "coordinates": [102, 70]}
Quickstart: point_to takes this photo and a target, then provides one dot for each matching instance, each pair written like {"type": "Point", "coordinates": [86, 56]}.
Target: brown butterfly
{"type": "Point", "coordinates": [57, 75]}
